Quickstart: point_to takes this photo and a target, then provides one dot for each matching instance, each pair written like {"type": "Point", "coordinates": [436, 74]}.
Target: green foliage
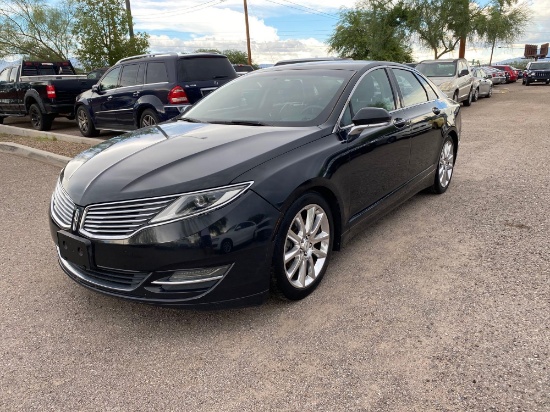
{"type": "Point", "coordinates": [373, 31]}
{"type": "Point", "coordinates": [36, 30]}
{"type": "Point", "coordinates": [234, 56]}
{"type": "Point", "coordinates": [102, 32]}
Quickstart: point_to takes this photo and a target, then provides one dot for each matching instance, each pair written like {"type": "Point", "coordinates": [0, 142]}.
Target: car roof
{"type": "Point", "coordinates": [169, 56]}
{"type": "Point", "coordinates": [355, 65]}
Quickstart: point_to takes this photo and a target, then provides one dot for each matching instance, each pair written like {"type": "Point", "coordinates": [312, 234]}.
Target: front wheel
{"type": "Point", "coordinates": [468, 101]}
{"type": "Point", "coordinates": [39, 121]}
{"type": "Point", "coordinates": [490, 93]}
{"type": "Point", "coordinates": [475, 97]}
{"type": "Point", "coordinates": [1, 120]}
{"type": "Point", "coordinates": [445, 167]}
{"type": "Point", "coordinates": [455, 96]}
{"type": "Point", "coordinates": [85, 123]}
{"type": "Point", "coordinates": [527, 82]}
{"type": "Point", "coordinates": [303, 247]}
{"type": "Point", "coordinates": [149, 117]}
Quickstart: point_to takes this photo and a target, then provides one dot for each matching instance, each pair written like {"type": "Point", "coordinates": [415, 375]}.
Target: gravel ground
{"type": "Point", "coordinates": [443, 305]}
{"type": "Point", "coordinates": [59, 147]}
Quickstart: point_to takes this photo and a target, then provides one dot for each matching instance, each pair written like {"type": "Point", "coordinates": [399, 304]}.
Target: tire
{"type": "Point", "coordinates": [468, 101]}
{"type": "Point", "coordinates": [300, 256]}
{"type": "Point", "coordinates": [85, 123]}
{"type": "Point", "coordinates": [149, 117]}
{"type": "Point", "coordinates": [445, 166]}
{"type": "Point", "coordinates": [1, 120]}
{"type": "Point", "coordinates": [547, 82]}
{"type": "Point", "coordinates": [226, 246]}
{"type": "Point", "coordinates": [39, 121]}
{"type": "Point", "coordinates": [490, 93]}
{"type": "Point", "coordinates": [475, 97]}
{"type": "Point", "coordinates": [527, 82]}
{"type": "Point", "coordinates": [455, 96]}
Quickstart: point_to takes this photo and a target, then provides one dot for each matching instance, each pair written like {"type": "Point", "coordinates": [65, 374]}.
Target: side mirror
{"type": "Point", "coordinates": [464, 72]}
{"type": "Point", "coordinates": [96, 88]}
{"type": "Point", "coordinates": [369, 116]}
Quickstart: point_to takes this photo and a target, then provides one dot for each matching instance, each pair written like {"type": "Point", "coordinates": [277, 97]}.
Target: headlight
{"type": "Point", "coordinates": [446, 87]}
{"type": "Point", "coordinates": [192, 204]}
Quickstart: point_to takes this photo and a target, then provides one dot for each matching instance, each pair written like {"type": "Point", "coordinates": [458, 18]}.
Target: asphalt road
{"type": "Point", "coordinates": [444, 305]}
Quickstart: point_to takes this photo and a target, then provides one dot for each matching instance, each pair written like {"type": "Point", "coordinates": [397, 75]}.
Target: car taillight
{"type": "Point", "coordinates": [177, 95]}
{"type": "Point", "coordinates": [50, 91]}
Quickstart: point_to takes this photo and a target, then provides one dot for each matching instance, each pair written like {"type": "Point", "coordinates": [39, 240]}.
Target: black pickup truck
{"type": "Point", "coordinates": [42, 90]}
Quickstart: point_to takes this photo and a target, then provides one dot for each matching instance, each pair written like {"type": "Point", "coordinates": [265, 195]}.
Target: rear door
{"type": "Point", "coordinates": [201, 75]}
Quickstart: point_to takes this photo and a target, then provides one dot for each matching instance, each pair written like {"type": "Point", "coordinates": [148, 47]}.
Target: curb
{"type": "Point", "coordinates": [4, 128]}
{"type": "Point", "coordinates": [35, 154]}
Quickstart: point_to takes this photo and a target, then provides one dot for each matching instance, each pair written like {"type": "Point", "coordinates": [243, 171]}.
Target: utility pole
{"type": "Point", "coordinates": [247, 33]}
{"type": "Point", "coordinates": [130, 23]}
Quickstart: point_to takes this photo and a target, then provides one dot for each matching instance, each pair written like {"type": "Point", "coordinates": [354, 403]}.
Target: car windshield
{"type": "Point", "coordinates": [437, 69]}
{"type": "Point", "coordinates": [540, 66]}
{"type": "Point", "coordinates": [275, 98]}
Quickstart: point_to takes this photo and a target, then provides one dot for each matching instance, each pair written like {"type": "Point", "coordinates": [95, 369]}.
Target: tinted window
{"type": "Point", "coordinates": [205, 68]}
{"type": "Point", "coordinates": [156, 73]}
{"type": "Point", "coordinates": [374, 90]}
{"type": "Point", "coordinates": [411, 89]}
{"type": "Point", "coordinates": [5, 75]}
{"type": "Point", "coordinates": [437, 69]}
{"type": "Point", "coordinates": [110, 81]}
{"type": "Point", "coordinates": [432, 95]}
{"type": "Point", "coordinates": [129, 75]}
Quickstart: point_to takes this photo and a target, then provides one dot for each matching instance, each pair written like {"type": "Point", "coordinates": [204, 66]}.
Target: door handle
{"type": "Point", "coordinates": [110, 98]}
{"type": "Point", "coordinates": [400, 122]}
{"type": "Point", "coordinates": [436, 110]}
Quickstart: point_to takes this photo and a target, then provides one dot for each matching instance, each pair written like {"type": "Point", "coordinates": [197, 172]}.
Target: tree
{"type": "Point", "coordinates": [375, 30]}
{"type": "Point", "coordinates": [102, 31]}
{"type": "Point", "coordinates": [36, 30]}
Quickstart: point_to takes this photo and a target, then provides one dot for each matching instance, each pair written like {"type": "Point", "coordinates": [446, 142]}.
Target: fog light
{"type": "Point", "coordinates": [193, 276]}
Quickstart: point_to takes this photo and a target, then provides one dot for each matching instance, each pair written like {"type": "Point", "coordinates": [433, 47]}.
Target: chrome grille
{"type": "Point", "coordinates": [121, 219]}
{"type": "Point", "coordinates": [62, 207]}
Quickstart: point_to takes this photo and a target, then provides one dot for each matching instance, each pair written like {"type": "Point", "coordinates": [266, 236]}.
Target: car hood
{"type": "Point", "coordinates": [175, 157]}
{"type": "Point", "coordinates": [440, 80]}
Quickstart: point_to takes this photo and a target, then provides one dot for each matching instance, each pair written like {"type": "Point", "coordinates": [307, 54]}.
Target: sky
{"type": "Point", "coordinates": [284, 29]}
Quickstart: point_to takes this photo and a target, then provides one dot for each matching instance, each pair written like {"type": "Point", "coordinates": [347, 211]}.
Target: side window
{"type": "Point", "coordinates": [110, 81]}
{"type": "Point", "coordinates": [432, 95]}
{"type": "Point", "coordinates": [129, 75]}
{"type": "Point", "coordinates": [411, 89]}
{"type": "Point", "coordinates": [13, 75]}
{"type": "Point", "coordinates": [141, 73]}
{"type": "Point", "coordinates": [374, 90]}
{"type": "Point", "coordinates": [5, 75]}
{"type": "Point", "coordinates": [156, 73]}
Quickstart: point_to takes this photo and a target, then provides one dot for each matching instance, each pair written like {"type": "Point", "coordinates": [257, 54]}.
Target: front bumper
{"type": "Point", "coordinates": [129, 268]}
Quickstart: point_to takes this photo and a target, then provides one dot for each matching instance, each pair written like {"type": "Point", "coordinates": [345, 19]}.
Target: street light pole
{"type": "Point", "coordinates": [247, 33]}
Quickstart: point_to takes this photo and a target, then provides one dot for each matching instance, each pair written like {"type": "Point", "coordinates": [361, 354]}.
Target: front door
{"type": "Point", "coordinates": [131, 85]}
{"type": "Point", "coordinates": [103, 102]}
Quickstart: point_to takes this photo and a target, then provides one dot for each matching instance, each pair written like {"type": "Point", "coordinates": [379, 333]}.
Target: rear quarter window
{"type": "Point", "coordinates": [205, 68]}
{"type": "Point", "coordinates": [156, 73]}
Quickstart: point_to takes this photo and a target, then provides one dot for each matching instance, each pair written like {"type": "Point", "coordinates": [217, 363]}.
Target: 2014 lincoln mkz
{"type": "Point", "coordinates": [253, 187]}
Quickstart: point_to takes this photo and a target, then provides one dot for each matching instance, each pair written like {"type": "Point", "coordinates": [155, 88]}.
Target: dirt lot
{"type": "Point", "coordinates": [444, 305]}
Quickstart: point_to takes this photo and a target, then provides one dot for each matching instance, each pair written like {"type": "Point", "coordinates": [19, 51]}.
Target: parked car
{"type": "Point", "coordinates": [42, 90]}
{"type": "Point", "coordinates": [536, 72]}
{"type": "Point", "coordinates": [242, 69]}
{"type": "Point", "coordinates": [498, 76]}
{"type": "Point", "coordinates": [310, 60]}
{"type": "Point", "coordinates": [519, 72]}
{"type": "Point", "coordinates": [453, 77]}
{"type": "Point", "coordinates": [145, 90]}
{"type": "Point", "coordinates": [483, 85]}
{"type": "Point", "coordinates": [311, 153]}
{"type": "Point", "coordinates": [512, 75]}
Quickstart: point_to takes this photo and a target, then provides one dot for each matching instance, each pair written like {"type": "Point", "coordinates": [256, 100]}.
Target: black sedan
{"type": "Point", "coordinates": [256, 185]}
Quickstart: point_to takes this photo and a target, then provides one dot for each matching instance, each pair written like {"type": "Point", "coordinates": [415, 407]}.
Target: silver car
{"type": "Point", "coordinates": [452, 76]}
{"type": "Point", "coordinates": [483, 85]}
{"type": "Point", "coordinates": [497, 76]}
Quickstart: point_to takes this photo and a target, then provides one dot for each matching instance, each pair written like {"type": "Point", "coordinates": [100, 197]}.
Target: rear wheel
{"type": "Point", "coordinates": [85, 123]}
{"type": "Point", "coordinates": [303, 247]}
{"type": "Point", "coordinates": [149, 117]}
{"type": "Point", "coordinates": [445, 167]}
{"type": "Point", "coordinates": [39, 121]}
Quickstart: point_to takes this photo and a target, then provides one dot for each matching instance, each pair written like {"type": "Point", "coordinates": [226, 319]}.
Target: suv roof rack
{"type": "Point", "coordinates": [141, 56]}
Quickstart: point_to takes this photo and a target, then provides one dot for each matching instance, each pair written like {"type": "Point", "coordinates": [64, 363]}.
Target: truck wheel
{"type": "Point", "coordinates": [85, 124]}
{"type": "Point", "coordinates": [148, 118]}
{"type": "Point", "coordinates": [39, 121]}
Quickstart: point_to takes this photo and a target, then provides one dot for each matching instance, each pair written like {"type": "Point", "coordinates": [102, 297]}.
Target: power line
{"type": "Point", "coordinates": [319, 13]}
{"type": "Point", "coordinates": [189, 10]}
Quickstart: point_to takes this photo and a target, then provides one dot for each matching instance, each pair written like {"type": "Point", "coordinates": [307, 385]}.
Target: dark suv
{"type": "Point", "coordinates": [144, 90]}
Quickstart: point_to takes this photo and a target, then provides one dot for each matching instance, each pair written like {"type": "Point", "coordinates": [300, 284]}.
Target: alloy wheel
{"type": "Point", "coordinates": [307, 246]}
{"type": "Point", "coordinates": [82, 119]}
{"type": "Point", "coordinates": [446, 164]}
{"type": "Point", "coordinates": [148, 120]}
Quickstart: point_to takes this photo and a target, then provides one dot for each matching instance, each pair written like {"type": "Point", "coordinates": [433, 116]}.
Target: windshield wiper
{"type": "Point", "coordinates": [240, 122]}
{"type": "Point", "coordinates": [190, 120]}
